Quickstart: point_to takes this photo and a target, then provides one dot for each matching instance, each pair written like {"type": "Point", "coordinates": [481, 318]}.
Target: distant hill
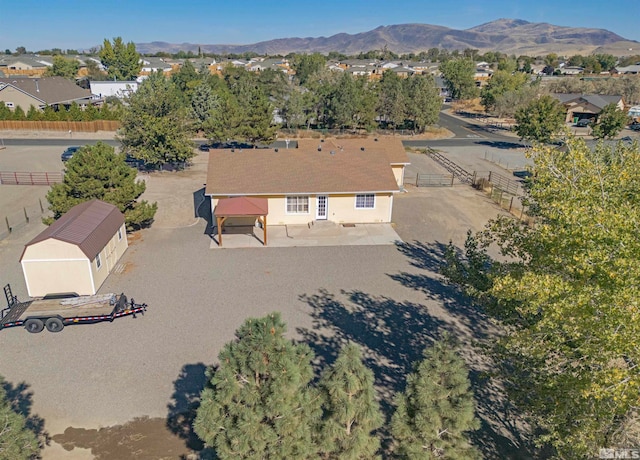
{"type": "Point", "coordinates": [511, 36]}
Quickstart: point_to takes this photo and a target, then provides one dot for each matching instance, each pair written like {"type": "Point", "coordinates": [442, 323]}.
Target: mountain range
{"type": "Point", "coordinates": [511, 36]}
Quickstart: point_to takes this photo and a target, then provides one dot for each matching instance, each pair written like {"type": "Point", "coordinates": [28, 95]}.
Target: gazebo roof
{"type": "Point", "coordinates": [241, 206]}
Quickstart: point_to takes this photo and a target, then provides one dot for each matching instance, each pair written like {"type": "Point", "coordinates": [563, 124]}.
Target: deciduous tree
{"type": "Point", "coordinates": [351, 412]}
{"type": "Point", "coordinates": [611, 120]}
{"type": "Point", "coordinates": [259, 403]}
{"type": "Point", "coordinates": [423, 101]}
{"type": "Point", "coordinates": [96, 171]}
{"type": "Point", "coordinates": [541, 120]}
{"type": "Point", "coordinates": [63, 67]}
{"type": "Point", "coordinates": [458, 74]}
{"type": "Point", "coordinates": [154, 123]}
{"type": "Point", "coordinates": [437, 411]}
{"type": "Point", "coordinates": [567, 291]}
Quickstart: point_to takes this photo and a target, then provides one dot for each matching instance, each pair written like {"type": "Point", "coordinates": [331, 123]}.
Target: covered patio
{"type": "Point", "coordinates": [241, 207]}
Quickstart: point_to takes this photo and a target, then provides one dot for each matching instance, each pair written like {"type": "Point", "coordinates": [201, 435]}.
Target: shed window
{"type": "Point", "coordinates": [98, 262]}
{"type": "Point", "coordinates": [120, 234]}
{"type": "Point", "coordinates": [297, 205]}
{"type": "Point", "coordinates": [367, 201]}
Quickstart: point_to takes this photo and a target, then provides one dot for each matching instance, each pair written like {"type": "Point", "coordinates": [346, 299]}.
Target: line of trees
{"type": "Point", "coordinates": [108, 111]}
{"type": "Point", "coordinates": [261, 403]}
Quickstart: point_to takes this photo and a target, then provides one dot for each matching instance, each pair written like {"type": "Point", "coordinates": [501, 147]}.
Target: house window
{"type": "Point", "coordinates": [365, 201]}
{"type": "Point", "coordinates": [297, 205]}
{"type": "Point", "coordinates": [120, 234]}
{"type": "Point", "coordinates": [98, 262]}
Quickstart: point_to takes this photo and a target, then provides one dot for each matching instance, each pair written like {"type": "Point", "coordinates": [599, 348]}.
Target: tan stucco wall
{"type": "Point", "coordinates": [398, 173]}
{"type": "Point", "coordinates": [109, 256]}
{"type": "Point", "coordinates": [10, 94]}
{"type": "Point", "coordinates": [341, 209]}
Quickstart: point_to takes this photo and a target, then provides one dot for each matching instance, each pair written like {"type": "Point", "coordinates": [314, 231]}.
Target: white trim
{"type": "Point", "coordinates": [218, 195]}
{"type": "Point", "coordinates": [390, 207]}
{"type": "Point", "coordinates": [286, 206]}
{"type": "Point", "coordinates": [26, 279]}
{"type": "Point", "coordinates": [53, 260]}
{"type": "Point", "coordinates": [93, 284]}
{"type": "Point", "coordinates": [325, 216]}
{"type": "Point", "coordinates": [355, 202]}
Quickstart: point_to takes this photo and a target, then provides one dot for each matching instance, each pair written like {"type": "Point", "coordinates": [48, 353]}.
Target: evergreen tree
{"type": "Point", "coordinates": [257, 124]}
{"type": "Point", "coordinates": [121, 60]}
{"type": "Point", "coordinates": [392, 101]}
{"type": "Point", "coordinates": [203, 102]}
{"type": "Point", "coordinates": [17, 441]}
{"type": "Point", "coordinates": [260, 404]}
{"type": "Point", "coordinates": [96, 171]}
{"type": "Point", "coordinates": [63, 67]}
{"type": "Point", "coordinates": [351, 412]}
{"type": "Point", "coordinates": [423, 101]}
{"type": "Point", "coordinates": [436, 410]}
{"type": "Point", "coordinates": [154, 124]}
{"type": "Point", "coordinates": [224, 122]}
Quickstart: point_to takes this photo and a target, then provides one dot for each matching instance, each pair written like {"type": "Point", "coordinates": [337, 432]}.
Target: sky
{"type": "Point", "coordinates": [80, 24]}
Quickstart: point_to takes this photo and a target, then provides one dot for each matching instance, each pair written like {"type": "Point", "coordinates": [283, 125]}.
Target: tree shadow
{"type": "Point", "coordinates": [392, 334]}
{"type": "Point", "coordinates": [507, 145]}
{"type": "Point", "coordinates": [20, 398]}
{"type": "Point", "coordinates": [184, 403]}
{"type": "Point", "coordinates": [504, 433]}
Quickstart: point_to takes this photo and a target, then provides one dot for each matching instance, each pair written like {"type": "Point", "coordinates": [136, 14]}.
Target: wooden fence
{"type": "Point", "coordinates": [73, 126]}
{"type": "Point", "coordinates": [29, 178]}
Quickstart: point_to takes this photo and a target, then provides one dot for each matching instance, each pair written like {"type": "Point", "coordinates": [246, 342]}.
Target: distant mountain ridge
{"type": "Point", "coordinates": [511, 36]}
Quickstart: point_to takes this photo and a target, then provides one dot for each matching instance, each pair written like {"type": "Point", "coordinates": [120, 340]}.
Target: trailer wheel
{"type": "Point", "coordinates": [54, 325]}
{"type": "Point", "coordinates": [34, 325]}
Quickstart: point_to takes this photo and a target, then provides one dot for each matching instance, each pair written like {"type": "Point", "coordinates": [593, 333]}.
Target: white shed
{"type": "Point", "coordinates": [77, 252]}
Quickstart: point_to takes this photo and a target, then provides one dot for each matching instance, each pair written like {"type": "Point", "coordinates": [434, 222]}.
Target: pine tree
{"type": "Point", "coordinates": [96, 171]}
{"type": "Point", "coordinates": [351, 412]}
{"type": "Point", "coordinates": [260, 404]}
{"type": "Point", "coordinates": [17, 441]}
{"type": "Point", "coordinates": [436, 409]}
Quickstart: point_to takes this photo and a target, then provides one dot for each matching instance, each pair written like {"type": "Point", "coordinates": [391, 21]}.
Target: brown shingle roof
{"type": "Point", "coordinates": [391, 145]}
{"type": "Point", "coordinates": [89, 225]}
{"type": "Point", "coordinates": [349, 169]}
{"type": "Point", "coordinates": [50, 90]}
{"type": "Point", "coordinates": [242, 206]}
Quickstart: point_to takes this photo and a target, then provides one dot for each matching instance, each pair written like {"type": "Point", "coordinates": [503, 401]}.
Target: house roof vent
{"type": "Point", "coordinates": [333, 152]}
{"type": "Point", "coordinates": [362, 149]}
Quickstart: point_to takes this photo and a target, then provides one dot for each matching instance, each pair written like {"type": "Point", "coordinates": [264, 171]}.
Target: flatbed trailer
{"type": "Point", "coordinates": [56, 311]}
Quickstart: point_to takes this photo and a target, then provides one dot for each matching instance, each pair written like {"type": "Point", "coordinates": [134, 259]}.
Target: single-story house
{"type": "Point", "coordinates": [341, 180]}
{"type": "Point", "coordinates": [25, 65]}
{"type": "Point", "coordinates": [581, 106]}
{"type": "Point", "coordinates": [77, 252]}
{"type": "Point", "coordinates": [42, 92]}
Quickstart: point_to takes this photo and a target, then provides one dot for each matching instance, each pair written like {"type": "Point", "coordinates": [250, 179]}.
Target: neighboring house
{"type": "Point", "coordinates": [571, 70]}
{"type": "Point", "coordinates": [25, 65]}
{"type": "Point", "coordinates": [634, 112]}
{"type": "Point", "coordinates": [581, 106]}
{"type": "Point", "coordinates": [42, 92]}
{"type": "Point", "coordinates": [77, 252]}
{"type": "Point", "coordinates": [119, 89]}
{"type": "Point", "coordinates": [341, 180]}
{"type": "Point", "coordinates": [628, 70]}
{"type": "Point", "coordinates": [154, 64]}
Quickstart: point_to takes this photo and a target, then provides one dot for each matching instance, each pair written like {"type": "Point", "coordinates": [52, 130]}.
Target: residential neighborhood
{"type": "Point", "coordinates": [364, 247]}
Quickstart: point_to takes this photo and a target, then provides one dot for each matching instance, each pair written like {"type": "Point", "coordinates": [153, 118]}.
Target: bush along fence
{"type": "Point", "coordinates": [73, 126]}
{"type": "Point", "coordinates": [19, 219]}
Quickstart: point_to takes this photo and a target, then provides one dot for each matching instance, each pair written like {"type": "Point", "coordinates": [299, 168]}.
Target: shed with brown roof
{"type": "Point", "coordinates": [77, 252]}
{"type": "Point", "coordinates": [342, 180]}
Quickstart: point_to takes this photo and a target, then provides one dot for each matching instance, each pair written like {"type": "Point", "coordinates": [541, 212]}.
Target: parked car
{"type": "Point", "coordinates": [67, 154]}
{"type": "Point", "coordinates": [584, 122]}
{"type": "Point", "coordinates": [204, 147]}
{"type": "Point", "coordinates": [635, 126]}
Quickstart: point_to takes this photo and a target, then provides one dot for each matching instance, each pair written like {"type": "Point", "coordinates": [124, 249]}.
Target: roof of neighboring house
{"type": "Point", "coordinates": [315, 167]}
{"type": "Point", "coordinates": [49, 90]}
{"type": "Point", "coordinates": [634, 68]}
{"type": "Point", "coordinates": [597, 100]}
{"type": "Point", "coordinates": [27, 59]}
{"type": "Point", "coordinates": [89, 225]}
